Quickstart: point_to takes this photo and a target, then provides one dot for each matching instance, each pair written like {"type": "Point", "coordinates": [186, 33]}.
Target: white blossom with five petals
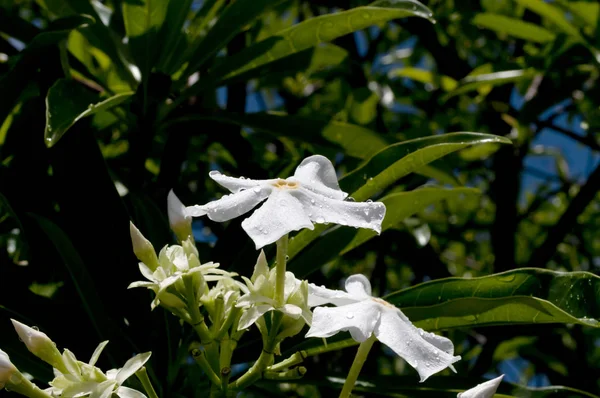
{"type": "Point", "coordinates": [311, 195]}
{"type": "Point", "coordinates": [363, 315]}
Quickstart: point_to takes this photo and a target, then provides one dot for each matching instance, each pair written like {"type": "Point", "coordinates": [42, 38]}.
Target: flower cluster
{"type": "Point", "coordinates": [261, 299]}
{"type": "Point", "coordinates": [73, 378]}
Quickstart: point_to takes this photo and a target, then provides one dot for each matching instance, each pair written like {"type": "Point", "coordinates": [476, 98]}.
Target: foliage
{"type": "Point", "coordinates": [479, 133]}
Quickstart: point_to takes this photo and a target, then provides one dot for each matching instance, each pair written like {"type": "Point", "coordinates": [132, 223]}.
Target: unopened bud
{"type": "Point", "coordinates": [7, 369]}
{"type": "Point", "coordinates": [483, 390]}
{"type": "Point", "coordinates": [180, 222]}
{"type": "Point", "coordinates": [142, 248]}
{"type": "Point", "coordinates": [40, 345]}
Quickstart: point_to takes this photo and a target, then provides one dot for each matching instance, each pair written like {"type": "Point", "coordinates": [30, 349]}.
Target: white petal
{"type": "Point", "coordinates": [234, 184]}
{"type": "Point", "coordinates": [175, 210]}
{"type": "Point", "coordinates": [102, 390]}
{"type": "Point", "coordinates": [358, 286]}
{"type": "Point", "coordinates": [281, 214]}
{"type": "Point", "coordinates": [126, 392]}
{"type": "Point", "coordinates": [319, 295]}
{"type": "Point", "coordinates": [483, 390]}
{"type": "Point", "coordinates": [317, 174]}
{"type": "Point", "coordinates": [178, 257]}
{"type": "Point", "coordinates": [291, 310]}
{"type": "Point", "coordinates": [231, 206]}
{"type": "Point", "coordinates": [147, 272]}
{"type": "Point", "coordinates": [322, 209]}
{"type": "Point", "coordinates": [252, 314]}
{"type": "Point", "coordinates": [133, 365]}
{"type": "Point", "coordinates": [261, 267]}
{"type": "Point", "coordinates": [142, 284]}
{"type": "Point", "coordinates": [408, 342]}
{"type": "Point", "coordinates": [97, 352]}
{"type": "Point", "coordinates": [358, 318]}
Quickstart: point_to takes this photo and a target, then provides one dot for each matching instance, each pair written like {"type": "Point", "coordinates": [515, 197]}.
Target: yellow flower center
{"type": "Point", "coordinates": [383, 302]}
{"type": "Point", "coordinates": [283, 184]}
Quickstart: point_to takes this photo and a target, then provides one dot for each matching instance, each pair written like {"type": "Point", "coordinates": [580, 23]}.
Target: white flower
{"type": "Point", "coordinates": [312, 194]}
{"type": "Point", "coordinates": [7, 369]}
{"type": "Point", "coordinates": [260, 299]}
{"type": "Point", "coordinates": [83, 379]}
{"type": "Point", "coordinates": [362, 315]}
{"type": "Point", "coordinates": [176, 262]}
{"type": "Point", "coordinates": [483, 390]}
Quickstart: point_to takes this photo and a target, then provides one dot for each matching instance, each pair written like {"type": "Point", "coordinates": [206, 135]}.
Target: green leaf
{"type": "Point", "coordinates": [585, 10]}
{"type": "Point", "coordinates": [304, 35]}
{"type": "Point", "coordinates": [356, 141]}
{"type": "Point", "coordinates": [232, 20]}
{"type": "Point", "coordinates": [475, 82]}
{"type": "Point", "coordinates": [402, 205]}
{"type": "Point", "coordinates": [81, 278]}
{"type": "Point", "coordinates": [68, 101]}
{"type": "Point", "coordinates": [317, 30]}
{"type": "Point", "coordinates": [342, 239]}
{"type": "Point", "coordinates": [426, 77]}
{"type": "Point", "coordinates": [437, 387]}
{"type": "Point", "coordinates": [523, 296]}
{"type": "Point", "coordinates": [17, 78]}
{"type": "Point", "coordinates": [514, 27]}
{"type": "Point", "coordinates": [143, 19]}
{"type": "Point", "coordinates": [403, 158]}
{"type": "Point", "coordinates": [391, 164]}
{"type": "Point", "coordinates": [553, 14]}
{"type": "Point", "coordinates": [171, 33]}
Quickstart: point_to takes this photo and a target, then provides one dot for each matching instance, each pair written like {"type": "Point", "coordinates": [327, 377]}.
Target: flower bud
{"type": "Point", "coordinates": [40, 345]}
{"type": "Point", "coordinates": [483, 390]}
{"type": "Point", "coordinates": [180, 222]}
{"type": "Point", "coordinates": [142, 248]}
{"type": "Point", "coordinates": [7, 369]}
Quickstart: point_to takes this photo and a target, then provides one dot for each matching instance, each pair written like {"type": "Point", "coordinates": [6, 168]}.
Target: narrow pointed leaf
{"type": "Point", "coordinates": [438, 387]}
{"type": "Point", "coordinates": [514, 27]}
{"type": "Point", "coordinates": [391, 164]}
{"type": "Point", "coordinates": [143, 20]}
{"type": "Point", "coordinates": [69, 101]}
{"type": "Point", "coordinates": [523, 296]}
{"type": "Point", "coordinates": [356, 141]}
{"type": "Point", "coordinates": [231, 21]}
{"type": "Point", "coordinates": [401, 205]}
{"type": "Point", "coordinates": [472, 83]}
{"type": "Point", "coordinates": [519, 297]}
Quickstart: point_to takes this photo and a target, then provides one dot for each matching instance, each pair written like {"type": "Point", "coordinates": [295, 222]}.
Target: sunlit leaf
{"type": "Point", "coordinates": [68, 101]}
{"type": "Point", "coordinates": [514, 27]}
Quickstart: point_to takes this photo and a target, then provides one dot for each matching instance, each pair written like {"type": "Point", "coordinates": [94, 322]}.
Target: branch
{"type": "Point", "coordinates": [543, 254]}
{"type": "Point", "coordinates": [585, 140]}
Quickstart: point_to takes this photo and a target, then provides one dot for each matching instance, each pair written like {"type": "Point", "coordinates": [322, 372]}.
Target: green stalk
{"type": "Point", "coordinates": [200, 359]}
{"type": "Point", "coordinates": [25, 387]}
{"type": "Point", "coordinates": [281, 260]}
{"type": "Point", "coordinates": [359, 361]}
{"type": "Point", "coordinates": [199, 325]}
{"type": "Point", "coordinates": [142, 375]}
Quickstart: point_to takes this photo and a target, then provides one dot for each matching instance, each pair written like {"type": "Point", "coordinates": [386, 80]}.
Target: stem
{"type": "Point", "coordinates": [234, 314]}
{"type": "Point", "coordinates": [27, 388]}
{"type": "Point", "coordinates": [266, 356]}
{"type": "Point", "coordinates": [200, 359]}
{"type": "Point", "coordinates": [280, 262]}
{"type": "Point", "coordinates": [294, 359]}
{"type": "Point", "coordinates": [359, 361]}
{"type": "Point", "coordinates": [199, 325]}
{"type": "Point", "coordinates": [142, 375]}
{"type": "Point", "coordinates": [292, 374]}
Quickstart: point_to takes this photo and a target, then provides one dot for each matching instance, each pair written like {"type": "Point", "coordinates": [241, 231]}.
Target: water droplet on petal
{"type": "Point", "coordinates": [320, 220]}
{"type": "Point", "coordinates": [369, 201]}
{"type": "Point", "coordinates": [350, 199]}
{"type": "Point", "coordinates": [312, 201]}
{"type": "Point", "coordinates": [350, 315]}
{"type": "Point", "coordinates": [256, 189]}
